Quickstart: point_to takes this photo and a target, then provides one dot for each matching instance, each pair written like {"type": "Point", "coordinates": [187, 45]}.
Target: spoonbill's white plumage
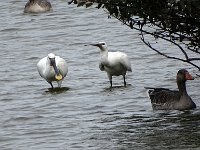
{"type": "Point", "coordinates": [114, 63]}
{"type": "Point", "coordinates": [52, 68]}
{"type": "Point", "coordinates": [37, 6]}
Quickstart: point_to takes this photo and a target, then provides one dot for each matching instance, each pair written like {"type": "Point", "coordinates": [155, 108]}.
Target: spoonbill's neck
{"type": "Point", "coordinates": [103, 53]}
{"type": "Point", "coordinates": [48, 64]}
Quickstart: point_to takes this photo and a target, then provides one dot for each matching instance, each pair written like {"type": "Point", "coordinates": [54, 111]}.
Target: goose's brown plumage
{"type": "Point", "coordinates": [162, 98]}
{"type": "Point", "coordinates": [36, 6]}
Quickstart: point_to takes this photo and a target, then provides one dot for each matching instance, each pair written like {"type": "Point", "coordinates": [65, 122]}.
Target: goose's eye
{"type": "Point", "coordinates": [103, 43]}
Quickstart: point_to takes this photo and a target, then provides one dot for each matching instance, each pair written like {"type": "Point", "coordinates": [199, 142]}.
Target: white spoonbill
{"type": "Point", "coordinates": [37, 6]}
{"type": "Point", "coordinates": [114, 63]}
{"type": "Point", "coordinates": [52, 68]}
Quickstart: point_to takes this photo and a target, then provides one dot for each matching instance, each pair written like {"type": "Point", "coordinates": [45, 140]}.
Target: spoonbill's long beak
{"type": "Point", "coordinates": [53, 63]}
{"type": "Point", "coordinates": [91, 44]}
{"type": "Point", "coordinates": [94, 44]}
{"type": "Point", "coordinates": [98, 45]}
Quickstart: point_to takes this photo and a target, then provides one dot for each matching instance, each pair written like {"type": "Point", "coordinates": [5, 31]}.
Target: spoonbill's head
{"type": "Point", "coordinates": [52, 60]}
{"type": "Point", "coordinates": [101, 45]}
{"type": "Point", "coordinates": [51, 57]}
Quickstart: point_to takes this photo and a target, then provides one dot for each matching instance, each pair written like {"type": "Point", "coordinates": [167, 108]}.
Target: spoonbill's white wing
{"type": "Point", "coordinates": [101, 66]}
{"type": "Point", "coordinates": [41, 66]}
{"type": "Point", "coordinates": [119, 58]}
{"type": "Point", "coordinates": [62, 65]}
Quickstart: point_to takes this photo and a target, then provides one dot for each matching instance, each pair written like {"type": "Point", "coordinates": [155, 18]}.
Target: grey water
{"type": "Point", "coordinates": [85, 113]}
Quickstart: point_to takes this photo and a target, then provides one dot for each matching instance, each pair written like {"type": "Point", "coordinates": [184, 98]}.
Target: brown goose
{"type": "Point", "coordinates": [37, 6]}
{"type": "Point", "coordinates": [162, 98]}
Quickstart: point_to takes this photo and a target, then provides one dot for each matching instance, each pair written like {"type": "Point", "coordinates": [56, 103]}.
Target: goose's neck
{"type": "Point", "coordinates": [182, 87]}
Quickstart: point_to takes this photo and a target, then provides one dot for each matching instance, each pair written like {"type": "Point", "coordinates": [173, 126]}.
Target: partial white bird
{"type": "Point", "coordinates": [52, 68]}
{"type": "Point", "coordinates": [37, 6]}
{"type": "Point", "coordinates": [114, 63]}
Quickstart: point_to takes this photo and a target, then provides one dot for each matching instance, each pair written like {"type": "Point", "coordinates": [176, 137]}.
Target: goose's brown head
{"type": "Point", "coordinates": [184, 75]}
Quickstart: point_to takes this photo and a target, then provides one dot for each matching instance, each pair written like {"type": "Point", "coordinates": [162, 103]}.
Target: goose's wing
{"type": "Point", "coordinates": [44, 3]}
{"type": "Point", "coordinates": [27, 4]}
{"type": "Point", "coordinates": [161, 96]}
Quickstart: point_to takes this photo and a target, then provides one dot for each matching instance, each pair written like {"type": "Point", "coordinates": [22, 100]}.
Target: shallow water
{"type": "Point", "coordinates": [85, 113]}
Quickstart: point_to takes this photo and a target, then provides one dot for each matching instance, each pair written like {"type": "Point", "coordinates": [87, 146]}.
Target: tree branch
{"type": "Point", "coordinates": [170, 57]}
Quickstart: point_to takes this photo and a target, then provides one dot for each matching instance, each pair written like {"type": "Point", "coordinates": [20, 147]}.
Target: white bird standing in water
{"type": "Point", "coordinates": [37, 6]}
{"type": "Point", "coordinates": [52, 68]}
{"type": "Point", "coordinates": [114, 63]}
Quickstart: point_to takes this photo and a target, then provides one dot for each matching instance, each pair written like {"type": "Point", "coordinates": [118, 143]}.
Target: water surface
{"type": "Point", "coordinates": [85, 113]}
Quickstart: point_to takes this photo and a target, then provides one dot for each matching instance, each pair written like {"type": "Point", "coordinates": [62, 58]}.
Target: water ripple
{"type": "Point", "coordinates": [85, 113]}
